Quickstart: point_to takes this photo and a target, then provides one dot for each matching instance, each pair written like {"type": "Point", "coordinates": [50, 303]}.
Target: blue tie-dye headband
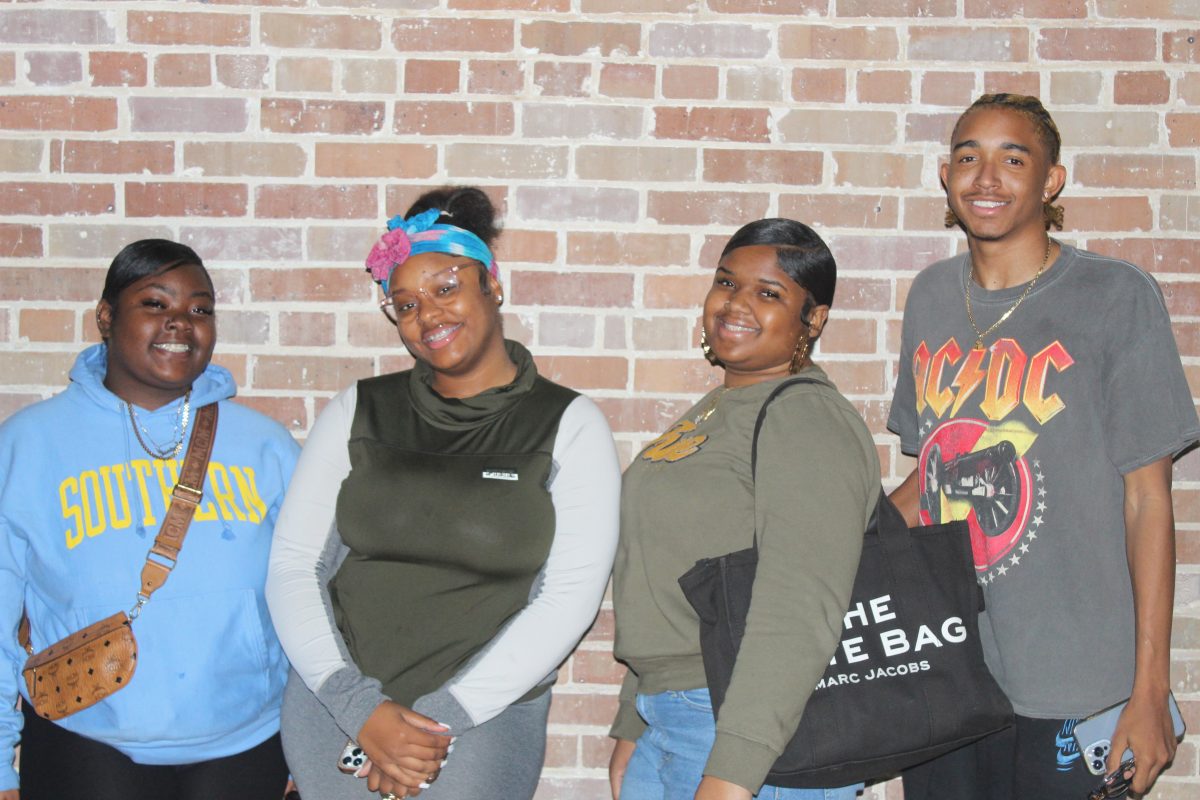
{"type": "Point", "coordinates": [421, 234]}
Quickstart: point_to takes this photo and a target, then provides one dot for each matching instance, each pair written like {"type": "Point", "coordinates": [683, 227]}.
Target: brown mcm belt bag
{"type": "Point", "coordinates": [89, 665]}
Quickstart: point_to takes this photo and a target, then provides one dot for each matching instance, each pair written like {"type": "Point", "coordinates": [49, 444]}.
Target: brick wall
{"type": "Point", "coordinates": [625, 140]}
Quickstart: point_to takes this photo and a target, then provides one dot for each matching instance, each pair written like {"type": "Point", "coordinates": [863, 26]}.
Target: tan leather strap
{"type": "Point", "coordinates": [184, 499]}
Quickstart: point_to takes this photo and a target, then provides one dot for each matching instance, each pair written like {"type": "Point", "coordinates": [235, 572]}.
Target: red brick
{"type": "Point", "coordinates": [183, 69]}
{"type": "Point", "coordinates": [562, 78]}
{"type": "Point", "coordinates": [790, 167]}
{"type": "Point", "coordinates": [423, 76]}
{"type": "Point", "coordinates": [495, 77]}
{"type": "Point", "coordinates": [841, 44]}
{"type": "Point", "coordinates": [1183, 130]}
{"type": "Point", "coordinates": [46, 325]}
{"type": "Point", "coordinates": [889, 252]}
{"type": "Point", "coordinates": [189, 114]}
{"type": "Point", "coordinates": [74, 284]}
{"type": "Point", "coordinates": [689, 81]}
{"type": "Point", "coordinates": [636, 6]}
{"type": "Point", "coordinates": [32, 368]}
{"type": "Point", "coordinates": [290, 201]}
{"type": "Point", "coordinates": [1155, 255]}
{"type": "Point", "coordinates": [596, 666]}
{"type": "Point", "coordinates": [628, 249]}
{"type": "Point", "coordinates": [1141, 88]}
{"type": "Point", "coordinates": [892, 170]}
{"type": "Point", "coordinates": [582, 38]}
{"type": "Point", "coordinates": [552, 787]}
{"type": "Point", "coordinates": [841, 210]}
{"type": "Point", "coordinates": [287, 411]}
{"type": "Point", "coordinates": [819, 85]}
{"type": "Point", "coordinates": [1107, 213]}
{"type": "Point", "coordinates": [339, 242]}
{"type": "Point", "coordinates": [311, 285]}
{"type": "Point", "coordinates": [566, 330]}
{"type": "Point", "coordinates": [307, 329]}
{"type": "Point", "coordinates": [883, 86]}
{"type": "Point", "coordinates": [185, 199]}
{"type": "Point", "coordinates": [561, 750]}
{"type": "Point", "coordinates": [555, 203]}
{"type": "Point", "coordinates": [8, 68]}
{"type": "Point", "coordinates": [24, 155]}
{"type": "Point", "coordinates": [1012, 82]}
{"type": "Point", "coordinates": [505, 161]}
{"type": "Point", "coordinates": [240, 159]}
{"type": "Point", "coordinates": [1181, 47]}
{"type": "Point", "coordinates": [90, 156]}
{"type": "Point", "coordinates": [857, 377]}
{"type": "Point", "coordinates": [796, 7]}
{"type": "Point", "coordinates": [431, 118]}
{"type": "Point", "coordinates": [930, 127]}
{"type": "Point", "coordinates": [1180, 213]}
{"type": "Point", "coordinates": [836, 126]}
{"type": "Point", "coordinates": [350, 160]}
{"type": "Point", "coordinates": [309, 372]}
{"type": "Point", "coordinates": [1145, 9]}
{"type": "Point", "coordinates": [721, 124]}
{"type": "Point", "coordinates": [589, 290]}
{"type": "Point", "coordinates": [956, 89]}
{"type": "Point", "coordinates": [46, 26]}
{"type": "Point", "coordinates": [1129, 170]}
{"type": "Point", "coordinates": [192, 28]}
{"type": "Point", "coordinates": [57, 199]}
{"type": "Point", "coordinates": [971, 45]}
{"type": "Point", "coordinates": [628, 80]}
{"type": "Point", "coordinates": [321, 31]}
{"type": "Point", "coordinates": [585, 372]}
{"type": "Point", "coordinates": [674, 375]}
{"type": "Point", "coordinates": [1097, 44]}
{"type": "Point", "coordinates": [369, 76]}
{"type": "Point", "coordinates": [96, 241]}
{"type": "Point", "coordinates": [699, 208]}
{"type": "Point", "coordinates": [20, 241]}
{"type": "Point", "coordinates": [662, 333]}
{"type": "Point", "coordinates": [1075, 88]}
{"type": "Point", "coordinates": [527, 247]}
{"type": "Point", "coordinates": [57, 112]}
{"type": "Point", "coordinates": [753, 83]}
{"type": "Point", "coordinates": [241, 244]}
{"type": "Point", "coordinates": [464, 34]}
{"type": "Point", "coordinates": [400, 196]}
{"type": "Point", "coordinates": [511, 5]}
{"type": "Point", "coordinates": [321, 116]}
{"type": "Point", "coordinates": [848, 335]}
{"type": "Point", "coordinates": [242, 71]}
{"type": "Point", "coordinates": [371, 328]}
{"type": "Point", "coordinates": [53, 69]}
{"type": "Point", "coordinates": [605, 163]}
{"type": "Point", "coordinates": [304, 75]}
{"type": "Point", "coordinates": [1029, 9]}
{"type": "Point", "coordinates": [243, 327]}
{"type": "Point", "coordinates": [556, 120]}
{"type": "Point", "coordinates": [675, 291]}
{"type": "Point", "coordinates": [708, 41]}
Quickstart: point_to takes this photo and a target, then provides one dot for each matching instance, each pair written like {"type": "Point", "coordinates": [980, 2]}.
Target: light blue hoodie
{"type": "Point", "coordinates": [80, 504]}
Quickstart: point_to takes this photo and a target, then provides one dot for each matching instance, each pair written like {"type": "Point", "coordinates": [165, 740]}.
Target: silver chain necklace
{"type": "Point", "coordinates": [181, 422]}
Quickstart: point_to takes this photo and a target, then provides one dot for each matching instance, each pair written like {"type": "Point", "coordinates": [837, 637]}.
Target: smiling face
{"type": "Point", "coordinates": [160, 335]}
{"type": "Point", "coordinates": [753, 316]}
{"type": "Point", "coordinates": [445, 316]}
{"type": "Point", "coordinates": [999, 175]}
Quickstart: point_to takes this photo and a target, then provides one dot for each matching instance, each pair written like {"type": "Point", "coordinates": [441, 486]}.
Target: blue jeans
{"type": "Point", "coordinates": [669, 760]}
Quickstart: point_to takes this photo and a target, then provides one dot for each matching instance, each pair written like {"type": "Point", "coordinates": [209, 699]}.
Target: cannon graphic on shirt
{"type": "Point", "coordinates": [987, 479]}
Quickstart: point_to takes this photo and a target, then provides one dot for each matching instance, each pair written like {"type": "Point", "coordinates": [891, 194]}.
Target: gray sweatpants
{"type": "Point", "coordinates": [500, 758]}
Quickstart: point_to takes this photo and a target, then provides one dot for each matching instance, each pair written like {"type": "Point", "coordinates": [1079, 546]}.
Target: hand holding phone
{"type": "Point", "coordinates": [1094, 734]}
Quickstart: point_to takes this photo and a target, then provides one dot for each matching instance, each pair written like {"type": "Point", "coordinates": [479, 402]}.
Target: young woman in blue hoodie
{"type": "Point", "coordinates": [85, 478]}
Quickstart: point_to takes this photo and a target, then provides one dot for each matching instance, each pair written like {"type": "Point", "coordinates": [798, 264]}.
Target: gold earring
{"type": "Point", "coordinates": [800, 353]}
{"type": "Point", "coordinates": [707, 350]}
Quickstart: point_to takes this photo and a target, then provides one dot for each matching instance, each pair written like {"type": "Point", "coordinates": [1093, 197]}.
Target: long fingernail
{"type": "Point", "coordinates": [423, 785]}
{"type": "Point", "coordinates": [444, 760]}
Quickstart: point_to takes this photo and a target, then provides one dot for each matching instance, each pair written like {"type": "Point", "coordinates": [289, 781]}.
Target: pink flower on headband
{"type": "Point", "coordinates": [391, 249]}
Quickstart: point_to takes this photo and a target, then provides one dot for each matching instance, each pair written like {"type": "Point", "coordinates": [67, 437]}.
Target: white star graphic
{"type": "Point", "coordinates": [1016, 559]}
{"type": "Point", "coordinates": [1002, 570]}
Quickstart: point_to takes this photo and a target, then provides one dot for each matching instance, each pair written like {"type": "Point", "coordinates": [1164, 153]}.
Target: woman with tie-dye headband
{"type": "Point", "coordinates": [447, 542]}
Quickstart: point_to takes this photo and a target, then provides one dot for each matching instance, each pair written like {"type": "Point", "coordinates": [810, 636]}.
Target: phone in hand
{"type": "Point", "coordinates": [352, 758]}
{"type": "Point", "coordinates": [1094, 734]}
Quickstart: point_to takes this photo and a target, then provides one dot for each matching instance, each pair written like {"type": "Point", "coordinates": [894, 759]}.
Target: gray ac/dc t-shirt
{"type": "Point", "coordinates": [1028, 440]}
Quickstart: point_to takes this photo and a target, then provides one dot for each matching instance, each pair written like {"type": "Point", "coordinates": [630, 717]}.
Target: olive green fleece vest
{"type": "Point", "coordinates": [449, 521]}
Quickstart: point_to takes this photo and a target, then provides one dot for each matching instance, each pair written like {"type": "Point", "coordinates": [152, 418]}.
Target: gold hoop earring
{"type": "Point", "coordinates": [800, 353]}
{"type": "Point", "coordinates": [707, 350]}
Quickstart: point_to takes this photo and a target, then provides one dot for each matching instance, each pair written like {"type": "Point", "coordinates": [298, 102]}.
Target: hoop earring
{"type": "Point", "coordinates": [707, 350]}
{"type": "Point", "coordinates": [800, 353]}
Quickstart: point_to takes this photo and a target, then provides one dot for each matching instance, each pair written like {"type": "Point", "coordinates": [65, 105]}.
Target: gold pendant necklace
{"type": "Point", "coordinates": [711, 408]}
{"type": "Point", "coordinates": [1028, 288]}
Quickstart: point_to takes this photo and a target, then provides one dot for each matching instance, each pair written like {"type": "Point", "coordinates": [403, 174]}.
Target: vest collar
{"type": "Point", "coordinates": [453, 413]}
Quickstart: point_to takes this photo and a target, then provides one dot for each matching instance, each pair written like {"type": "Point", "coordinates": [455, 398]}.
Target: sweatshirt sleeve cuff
{"type": "Point", "coordinates": [740, 761]}
{"type": "Point", "coordinates": [442, 706]}
{"type": "Point", "coordinates": [8, 776]}
{"type": "Point", "coordinates": [628, 725]}
{"type": "Point", "coordinates": [351, 698]}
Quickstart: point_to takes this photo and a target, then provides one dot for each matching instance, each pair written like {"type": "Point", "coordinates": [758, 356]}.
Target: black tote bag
{"type": "Point", "coordinates": [908, 683]}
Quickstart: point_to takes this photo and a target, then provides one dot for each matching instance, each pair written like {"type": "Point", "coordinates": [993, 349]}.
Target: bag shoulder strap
{"type": "Point", "coordinates": [186, 495]}
{"type": "Point", "coordinates": [762, 417]}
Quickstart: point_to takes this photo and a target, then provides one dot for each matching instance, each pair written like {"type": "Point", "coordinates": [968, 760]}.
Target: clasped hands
{"type": "Point", "coordinates": [406, 750]}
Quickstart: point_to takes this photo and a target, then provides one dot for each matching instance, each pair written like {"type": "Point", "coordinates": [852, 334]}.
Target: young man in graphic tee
{"type": "Point", "coordinates": [1041, 391]}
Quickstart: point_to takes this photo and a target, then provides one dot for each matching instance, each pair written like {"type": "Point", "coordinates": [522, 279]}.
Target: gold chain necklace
{"type": "Point", "coordinates": [1028, 288]}
{"type": "Point", "coordinates": [711, 408]}
{"type": "Point", "coordinates": [172, 451]}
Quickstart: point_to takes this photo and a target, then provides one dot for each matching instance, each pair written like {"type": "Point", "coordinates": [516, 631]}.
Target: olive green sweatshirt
{"type": "Point", "coordinates": [690, 495]}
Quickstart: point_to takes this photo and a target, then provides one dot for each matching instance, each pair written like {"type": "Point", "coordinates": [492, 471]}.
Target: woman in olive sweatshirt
{"type": "Point", "coordinates": [690, 495]}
